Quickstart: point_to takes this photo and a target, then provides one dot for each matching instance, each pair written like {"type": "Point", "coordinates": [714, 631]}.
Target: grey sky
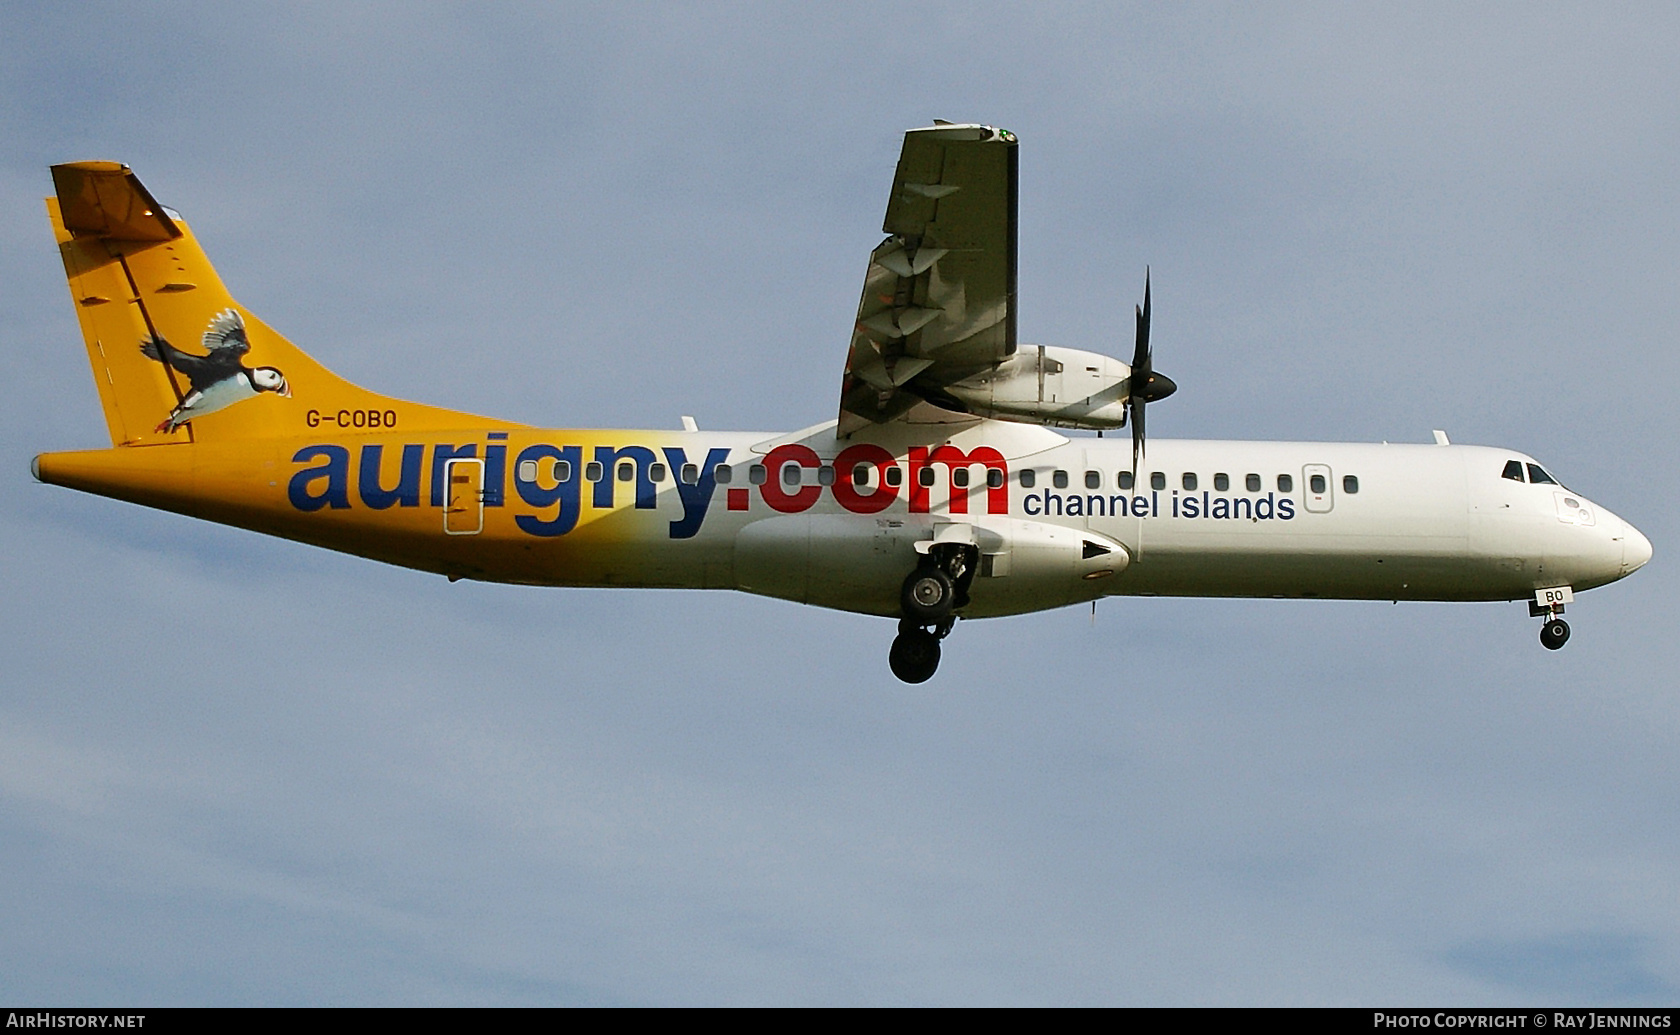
{"type": "Point", "coordinates": [237, 770]}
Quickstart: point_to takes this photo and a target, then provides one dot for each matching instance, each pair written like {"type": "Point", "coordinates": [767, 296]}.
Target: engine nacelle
{"type": "Point", "coordinates": [1045, 384]}
{"type": "Point", "coordinates": [858, 564]}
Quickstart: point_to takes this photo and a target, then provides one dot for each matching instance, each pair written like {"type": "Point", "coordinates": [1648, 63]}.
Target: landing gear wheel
{"type": "Point", "coordinates": [914, 656]}
{"type": "Point", "coordinates": [928, 595]}
{"type": "Point", "coordinates": [1554, 634]}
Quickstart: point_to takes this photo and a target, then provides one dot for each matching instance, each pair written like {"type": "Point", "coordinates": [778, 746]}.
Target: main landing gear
{"type": "Point", "coordinates": [1555, 633]}
{"type": "Point", "coordinates": [929, 598]}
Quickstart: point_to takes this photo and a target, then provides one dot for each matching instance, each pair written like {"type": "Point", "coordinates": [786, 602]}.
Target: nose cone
{"type": "Point", "coordinates": [1636, 549]}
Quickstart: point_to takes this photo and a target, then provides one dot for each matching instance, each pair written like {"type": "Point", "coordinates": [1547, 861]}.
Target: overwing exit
{"type": "Point", "coordinates": [957, 481]}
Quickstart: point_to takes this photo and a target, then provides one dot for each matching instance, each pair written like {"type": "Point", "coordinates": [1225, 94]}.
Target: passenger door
{"type": "Point", "coordinates": [463, 514]}
{"type": "Point", "coordinates": [1317, 488]}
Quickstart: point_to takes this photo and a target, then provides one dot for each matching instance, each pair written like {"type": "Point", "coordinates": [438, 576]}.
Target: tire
{"type": "Point", "coordinates": [927, 595]}
{"type": "Point", "coordinates": [914, 656]}
{"type": "Point", "coordinates": [1554, 634]}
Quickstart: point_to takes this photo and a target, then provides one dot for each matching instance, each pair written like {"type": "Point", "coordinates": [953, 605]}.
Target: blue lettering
{"type": "Point", "coordinates": [564, 493]}
{"type": "Point", "coordinates": [1027, 504]}
{"type": "Point", "coordinates": [1242, 506]}
{"type": "Point", "coordinates": [697, 497]}
{"type": "Point", "coordinates": [407, 491]}
{"type": "Point", "coordinates": [495, 472]}
{"type": "Point", "coordinates": [1263, 509]}
{"type": "Point", "coordinates": [1221, 508]}
{"type": "Point", "coordinates": [335, 472]}
{"type": "Point", "coordinates": [608, 457]}
{"type": "Point", "coordinates": [1286, 509]}
{"type": "Point", "coordinates": [441, 455]}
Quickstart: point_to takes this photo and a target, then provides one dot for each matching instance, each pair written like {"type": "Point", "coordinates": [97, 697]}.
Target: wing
{"type": "Point", "coordinates": [200, 370]}
{"type": "Point", "coordinates": [939, 296]}
{"type": "Point", "coordinates": [226, 332]}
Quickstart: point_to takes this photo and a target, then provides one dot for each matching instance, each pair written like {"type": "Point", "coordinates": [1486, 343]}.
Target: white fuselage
{"type": "Point", "coordinates": [1263, 519]}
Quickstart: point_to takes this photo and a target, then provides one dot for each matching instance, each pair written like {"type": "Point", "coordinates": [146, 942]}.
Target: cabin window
{"type": "Point", "coordinates": [1189, 482]}
{"type": "Point", "coordinates": [1286, 483]}
{"type": "Point", "coordinates": [562, 470]}
{"type": "Point", "coordinates": [825, 475]}
{"type": "Point", "coordinates": [925, 477]}
{"type": "Point", "coordinates": [1221, 483]}
{"type": "Point", "coordinates": [656, 472]}
{"type": "Point", "coordinates": [1539, 477]}
{"type": "Point", "coordinates": [1317, 484]}
{"type": "Point", "coordinates": [994, 478]}
{"type": "Point", "coordinates": [895, 476]}
{"type": "Point", "coordinates": [790, 474]}
{"type": "Point", "coordinates": [1350, 483]}
{"type": "Point", "coordinates": [1157, 480]}
{"type": "Point", "coordinates": [1252, 482]}
{"type": "Point", "coordinates": [527, 470]}
{"type": "Point", "coordinates": [1093, 479]}
{"type": "Point", "coordinates": [959, 478]}
{"type": "Point", "coordinates": [756, 474]}
{"type": "Point", "coordinates": [1513, 470]}
{"type": "Point", "coordinates": [689, 475]}
{"type": "Point", "coordinates": [1028, 479]}
{"type": "Point", "coordinates": [1126, 480]}
{"type": "Point", "coordinates": [626, 471]}
{"type": "Point", "coordinates": [594, 471]}
{"type": "Point", "coordinates": [724, 474]}
{"type": "Point", "coordinates": [1059, 479]}
{"type": "Point", "coordinates": [860, 475]}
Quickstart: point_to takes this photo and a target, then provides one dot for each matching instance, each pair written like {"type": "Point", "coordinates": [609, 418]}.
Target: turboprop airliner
{"type": "Point", "coordinates": [947, 487]}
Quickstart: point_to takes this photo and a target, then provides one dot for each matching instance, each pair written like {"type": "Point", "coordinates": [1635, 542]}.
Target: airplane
{"type": "Point", "coordinates": [948, 486]}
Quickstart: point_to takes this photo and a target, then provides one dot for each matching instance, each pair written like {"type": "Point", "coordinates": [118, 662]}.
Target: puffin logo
{"type": "Point", "coordinates": [218, 378]}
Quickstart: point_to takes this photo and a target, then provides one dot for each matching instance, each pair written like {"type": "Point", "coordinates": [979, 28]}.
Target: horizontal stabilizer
{"type": "Point", "coordinates": [104, 199]}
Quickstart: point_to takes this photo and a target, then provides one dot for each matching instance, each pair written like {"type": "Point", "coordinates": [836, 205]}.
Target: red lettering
{"type": "Point", "coordinates": [997, 496]}
{"type": "Point", "coordinates": [846, 493]}
{"type": "Point", "coordinates": [772, 491]}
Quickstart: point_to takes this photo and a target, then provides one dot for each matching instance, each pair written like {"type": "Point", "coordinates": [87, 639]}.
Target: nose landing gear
{"type": "Point", "coordinates": [930, 595]}
{"type": "Point", "coordinates": [1549, 605]}
{"type": "Point", "coordinates": [1554, 634]}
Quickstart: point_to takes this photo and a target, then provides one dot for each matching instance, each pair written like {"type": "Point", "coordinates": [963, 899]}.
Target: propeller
{"type": "Point", "coordinates": [1146, 385]}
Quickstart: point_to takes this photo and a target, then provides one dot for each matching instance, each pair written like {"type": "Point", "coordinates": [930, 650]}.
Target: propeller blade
{"type": "Point", "coordinates": [1136, 406]}
{"type": "Point", "coordinates": [1141, 359]}
{"type": "Point", "coordinates": [1146, 385]}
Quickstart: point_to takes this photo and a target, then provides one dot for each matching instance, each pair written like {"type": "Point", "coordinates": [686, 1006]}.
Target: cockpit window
{"type": "Point", "coordinates": [1513, 470]}
{"type": "Point", "coordinates": [1539, 477]}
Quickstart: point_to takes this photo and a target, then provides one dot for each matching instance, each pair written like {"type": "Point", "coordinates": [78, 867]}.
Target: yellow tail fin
{"type": "Point", "coordinates": [175, 357]}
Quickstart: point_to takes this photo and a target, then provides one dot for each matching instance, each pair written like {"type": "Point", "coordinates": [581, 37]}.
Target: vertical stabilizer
{"type": "Point", "coordinates": [176, 359]}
